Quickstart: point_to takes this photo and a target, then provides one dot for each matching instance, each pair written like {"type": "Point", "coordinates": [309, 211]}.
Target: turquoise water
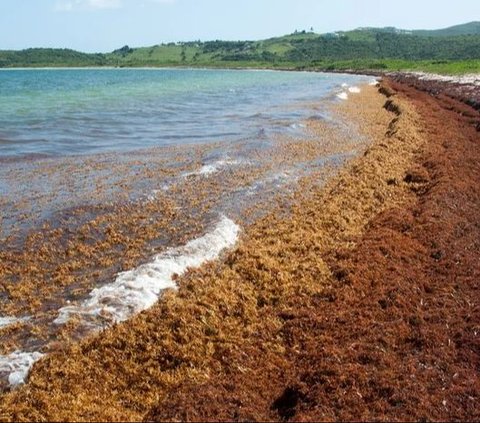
{"type": "Point", "coordinates": [84, 111]}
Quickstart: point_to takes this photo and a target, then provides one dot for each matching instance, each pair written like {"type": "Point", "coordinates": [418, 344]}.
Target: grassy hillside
{"type": "Point", "coordinates": [471, 28]}
{"type": "Point", "coordinates": [452, 50]}
{"type": "Point", "coordinates": [361, 49]}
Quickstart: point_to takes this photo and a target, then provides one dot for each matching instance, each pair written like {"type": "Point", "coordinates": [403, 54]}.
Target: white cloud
{"type": "Point", "coordinates": [70, 5]}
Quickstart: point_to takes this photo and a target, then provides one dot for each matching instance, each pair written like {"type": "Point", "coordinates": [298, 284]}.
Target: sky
{"type": "Point", "coordinates": [104, 25]}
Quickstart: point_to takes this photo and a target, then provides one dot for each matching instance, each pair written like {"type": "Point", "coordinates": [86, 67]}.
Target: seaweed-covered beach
{"type": "Point", "coordinates": [351, 295]}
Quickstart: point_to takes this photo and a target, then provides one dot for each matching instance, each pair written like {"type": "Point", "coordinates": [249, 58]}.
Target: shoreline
{"type": "Point", "coordinates": [365, 72]}
{"type": "Point", "coordinates": [56, 266]}
{"type": "Point", "coordinates": [242, 339]}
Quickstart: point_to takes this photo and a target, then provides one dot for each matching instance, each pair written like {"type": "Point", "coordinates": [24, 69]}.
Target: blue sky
{"type": "Point", "coordinates": [103, 25]}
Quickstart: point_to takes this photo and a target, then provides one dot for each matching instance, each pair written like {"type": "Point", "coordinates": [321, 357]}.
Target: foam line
{"type": "Point", "coordinates": [209, 169]}
{"type": "Point", "coordinates": [17, 365]}
{"type": "Point", "coordinates": [8, 321]}
{"type": "Point", "coordinates": [139, 289]}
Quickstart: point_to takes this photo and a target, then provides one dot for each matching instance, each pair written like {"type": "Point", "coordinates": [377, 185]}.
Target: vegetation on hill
{"type": "Point", "coordinates": [465, 29]}
{"type": "Point", "coordinates": [39, 57]}
{"type": "Point", "coordinates": [451, 50]}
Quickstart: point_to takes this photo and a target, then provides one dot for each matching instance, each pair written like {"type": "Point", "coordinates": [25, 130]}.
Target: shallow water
{"type": "Point", "coordinates": [71, 137]}
{"type": "Point", "coordinates": [72, 111]}
{"type": "Point", "coordinates": [204, 152]}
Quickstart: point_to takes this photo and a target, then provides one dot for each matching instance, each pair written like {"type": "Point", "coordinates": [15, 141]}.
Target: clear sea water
{"type": "Point", "coordinates": [83, 111]}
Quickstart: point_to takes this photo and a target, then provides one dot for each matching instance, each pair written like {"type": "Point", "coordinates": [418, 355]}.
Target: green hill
{"type": "Point", "coordinates": [451, 50]}
{"type": "Point", "coordinates": [43, 57]}
{"type": "Point", "coordinates": [471, 28]}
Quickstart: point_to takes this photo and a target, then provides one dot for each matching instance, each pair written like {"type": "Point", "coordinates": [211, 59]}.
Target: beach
{"type": "Point", "coordinates": [351, 294]}
{"type": "Point", "coordinates": [89, 240]}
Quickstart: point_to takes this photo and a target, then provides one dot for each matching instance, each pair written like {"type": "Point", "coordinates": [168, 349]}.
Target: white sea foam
{"type": "Point", "coordinates": [344, 85]}
{"type": "Point", "coordinates": [354, 90]}
{"type": "Point", "coordinates": [206, 170]}
{"type": "Point", "coordinates": [154, 194]}
{"type": "Point", "coordinates": [139, 289]}
{"type": "Point", "coordinates": [373, 82]}
{"type": "Point", "coordinates": [8, 321]}
{"type": "Point", "coordinates": [211, 168]}
{"type": "Point", "coordinates": [17, 365]}
{"type": "Point", "coordinates": [297, 125]}
{"type": "Point", "coordinates": [342, 96]}
{"type": "Point", "coordinates": [276, 180]}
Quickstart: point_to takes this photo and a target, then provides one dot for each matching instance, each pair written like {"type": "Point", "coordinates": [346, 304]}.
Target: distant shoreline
{"type": "Point", "coordinates": [461, 79]}
{"type": "Point", "coordinates": [367, 50]}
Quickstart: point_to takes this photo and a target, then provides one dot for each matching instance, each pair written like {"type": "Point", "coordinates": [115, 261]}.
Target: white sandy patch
{"type": "Point", "coordinates": [211, 168]}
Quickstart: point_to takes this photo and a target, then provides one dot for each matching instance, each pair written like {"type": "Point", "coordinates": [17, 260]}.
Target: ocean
{"type": "Point", "coordinates": [85, 111]}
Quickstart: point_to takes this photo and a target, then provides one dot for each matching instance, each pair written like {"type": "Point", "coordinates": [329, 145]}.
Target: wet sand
{"type": "Point", "coordinates": [355, 299]}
